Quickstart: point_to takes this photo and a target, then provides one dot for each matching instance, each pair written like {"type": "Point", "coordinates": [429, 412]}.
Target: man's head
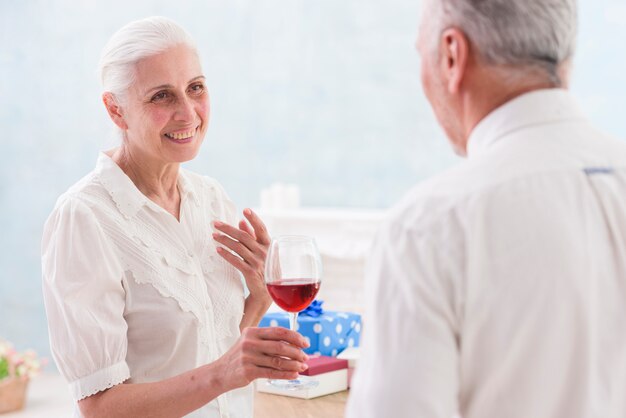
{"type": "Point", "coordinates": [478, 54]}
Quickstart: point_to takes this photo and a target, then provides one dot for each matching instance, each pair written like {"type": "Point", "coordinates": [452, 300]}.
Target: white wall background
{"type": "Point", "coordinates": [322, 93]}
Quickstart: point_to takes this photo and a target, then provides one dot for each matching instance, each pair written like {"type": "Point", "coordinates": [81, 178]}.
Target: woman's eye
{"type": "Point", "coordinates": [159, 96]}
{"type": "Point", "coordinates": [197, 88]}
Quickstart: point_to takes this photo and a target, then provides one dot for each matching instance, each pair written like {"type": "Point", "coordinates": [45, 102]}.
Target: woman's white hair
{"type": "Point", "coordinates": [133, 42]}
{"type": "Point", "coordinates": [524, 34]}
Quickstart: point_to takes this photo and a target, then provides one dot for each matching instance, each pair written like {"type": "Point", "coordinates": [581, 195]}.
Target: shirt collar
{"type": "Point", "coordinates": [534, 108]}
{"type": "Point", "coordinates": [186, 188]}
{"type": "Point", "coordinates": [127, 197]}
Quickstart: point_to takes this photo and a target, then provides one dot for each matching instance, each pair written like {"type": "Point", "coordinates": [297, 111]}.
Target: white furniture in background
{"type": "Point", "coordinates": [344, 237]}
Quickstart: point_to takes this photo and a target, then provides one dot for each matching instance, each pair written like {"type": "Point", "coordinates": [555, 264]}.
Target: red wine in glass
{"type": "Point", "coordinates": [293, 295]}
{"type": "Point", "coordinates": [293, 275]}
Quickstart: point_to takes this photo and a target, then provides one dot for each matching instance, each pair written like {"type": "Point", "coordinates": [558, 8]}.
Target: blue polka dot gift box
{"type": "Point", "coordinates": [328, 332]}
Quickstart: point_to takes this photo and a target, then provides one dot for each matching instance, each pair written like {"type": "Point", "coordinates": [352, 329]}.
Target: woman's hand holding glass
{"type": "Point", "coordinates": [272, 353]}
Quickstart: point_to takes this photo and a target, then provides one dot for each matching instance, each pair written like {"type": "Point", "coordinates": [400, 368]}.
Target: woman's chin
{"type": "Point", "coordinates": [183, 150]}
{"type": "Point", "coordinates": [183, 157]}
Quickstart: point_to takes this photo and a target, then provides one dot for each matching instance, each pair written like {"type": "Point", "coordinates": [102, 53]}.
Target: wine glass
{"type": "Point", "coordinates": [293, 275]}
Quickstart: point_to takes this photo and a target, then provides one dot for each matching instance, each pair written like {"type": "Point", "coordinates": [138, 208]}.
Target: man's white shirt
{"type": "Point", "coordinates": [498, 289]}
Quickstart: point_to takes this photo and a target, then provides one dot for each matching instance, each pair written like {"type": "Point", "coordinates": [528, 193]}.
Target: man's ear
{"type": "Point", "coordinates": [114, 110]}
{"type": "Point", "coordinates": [454, 58]}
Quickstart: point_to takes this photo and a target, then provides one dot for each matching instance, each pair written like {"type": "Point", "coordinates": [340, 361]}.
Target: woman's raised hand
{"type": "Point", "coordinates": [249, 243]}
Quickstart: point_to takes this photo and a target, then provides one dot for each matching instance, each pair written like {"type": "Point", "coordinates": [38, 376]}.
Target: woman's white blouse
{"type": "Point", "coordinates": [133, 295]}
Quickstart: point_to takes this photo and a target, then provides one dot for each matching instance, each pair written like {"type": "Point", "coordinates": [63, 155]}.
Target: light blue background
{"type": "Point", "coordinates": [321, 93]}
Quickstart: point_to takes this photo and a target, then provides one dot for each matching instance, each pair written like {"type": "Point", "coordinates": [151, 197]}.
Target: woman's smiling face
{"type": "Point", "coordinates": [166, 109]}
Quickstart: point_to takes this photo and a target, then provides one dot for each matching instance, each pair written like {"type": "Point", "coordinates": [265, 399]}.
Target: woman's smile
{"type": "Point", "coordinates": [182, 137]}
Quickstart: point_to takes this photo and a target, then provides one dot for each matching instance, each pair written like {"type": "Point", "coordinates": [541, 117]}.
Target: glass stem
{"type": "Point", "coordinates": [293, 320]}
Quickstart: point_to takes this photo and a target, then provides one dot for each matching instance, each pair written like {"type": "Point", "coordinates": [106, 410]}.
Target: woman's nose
{"type": "Point", "coordinates": [185, 110]}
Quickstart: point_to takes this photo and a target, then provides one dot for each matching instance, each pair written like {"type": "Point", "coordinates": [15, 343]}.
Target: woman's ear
{"type": "Point", "coordinates": [114, 110]}
{"type": "Point", "coordinates": [454, 58]}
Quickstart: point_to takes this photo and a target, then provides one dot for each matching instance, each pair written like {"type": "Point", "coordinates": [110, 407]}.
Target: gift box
{"type": "Point", "coordinates": [328, 332]}
{"type": "Point", "coordinates": [324, 364]}
{"type": "Point", "coordinates": [351, 355]}
{"type": "Point", "coordinates": [330, 373]}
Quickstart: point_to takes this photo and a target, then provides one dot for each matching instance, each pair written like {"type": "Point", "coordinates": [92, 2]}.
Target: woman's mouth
{"type": "Point", "coordinates": [182, 136]}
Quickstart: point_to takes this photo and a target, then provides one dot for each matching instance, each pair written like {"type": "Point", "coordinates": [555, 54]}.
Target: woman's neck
{"type": "Point", "coordinates": [157, 181]}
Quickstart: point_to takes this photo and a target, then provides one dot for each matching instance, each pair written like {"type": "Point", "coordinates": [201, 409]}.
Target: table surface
{"type": "Point", "coordinates": [276, 406]}
{"type": "Point", "coordinates": [49, 396]}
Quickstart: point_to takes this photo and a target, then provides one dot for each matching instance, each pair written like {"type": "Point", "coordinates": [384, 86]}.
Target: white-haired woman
{"type": "Point", "coordinates": [146, 308]}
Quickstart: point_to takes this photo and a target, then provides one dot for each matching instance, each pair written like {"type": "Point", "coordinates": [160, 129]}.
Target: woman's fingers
{"type": "Point", "coordinates": [241, 242]}
{"type": "Point", "coordinates": [254, 236]}
{"type": "Point", "coordinates": [284, 350]}
{"type": "Point", "coordinates": [245, 248]}
{"type": "Point", "coordinates": [279, 334]}
{"type": "Point", "coordinates": [236, 246]}
{"type": "Point", "coordinates": [283, 364]}
{"type": "Point", "coordinates": [271, 355]}
{"type": "Point", "coordinates": [234, 260]}
{"type": "Point", "coordinates": [249, 242]}
{"type": "Point", "coordinates": [236, 235]}
{"type": "Point", "coordinates": [268, 373]}
{"type": "Point", "coordinates": [245, 226]}
{"type": "Point", "coordinates": [269, 349]}
{"type": "Point", "coordinates": [260, 230]}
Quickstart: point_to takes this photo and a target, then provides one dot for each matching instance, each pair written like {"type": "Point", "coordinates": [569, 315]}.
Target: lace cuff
{"type": "Point", "coordinates": [100, 380]}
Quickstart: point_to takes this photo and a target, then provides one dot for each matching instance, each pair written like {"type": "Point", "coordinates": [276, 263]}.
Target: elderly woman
{"type": "Point", "coordinates": [142, 259]}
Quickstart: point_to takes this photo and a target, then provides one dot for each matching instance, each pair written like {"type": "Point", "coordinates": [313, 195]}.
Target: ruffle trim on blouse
{"type": "Point", "coordinates": [228, 307]}
{"type": "Point", "coordinates": [208, 264]}
{"type": "Point", "coordinates": [227, 315]}
{"type": "Point", "coordinates": [220, 207]}
{"type": "Point", "coordinates": [187, 297]}
{"type": "Point", "coordinates": [220, 203]}
{"type": "Point", "coordinates": [100, 380]}
{"type": "Point", "coordinates": [186, 187]}
{"type": "Point", "coordinates": [127, 200]}
{"type": "Point", "coordinates": [191, 294]}
{"type": "Point", "coordinates": [177, 258]}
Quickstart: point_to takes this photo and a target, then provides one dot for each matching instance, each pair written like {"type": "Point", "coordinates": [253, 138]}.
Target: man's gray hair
{"type": "Point", "coordinates": [539, 34]}
{"type": "Point", "coordinates": [133, 42]}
